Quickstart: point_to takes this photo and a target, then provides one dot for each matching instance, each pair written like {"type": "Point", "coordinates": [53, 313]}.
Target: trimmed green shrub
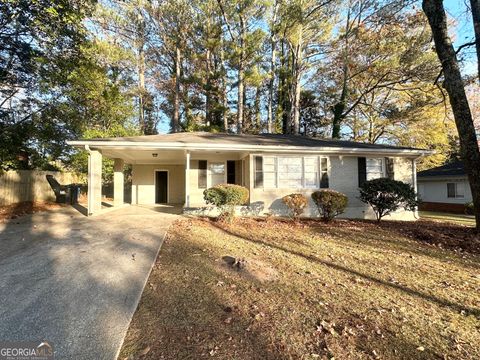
{"type": "Point", "coordinates": [226, 197]}
{"type": "Point", "coordinates": [387, 195]}
{"type": "Point", "coordinates": [330, 203]}
{"type": "Point", "coordinates": [296, 203]}
{"type": "Point", "coordinates": [469, 209]}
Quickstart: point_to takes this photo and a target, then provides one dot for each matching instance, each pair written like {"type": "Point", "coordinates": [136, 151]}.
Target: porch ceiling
{"type": "Point", "coordinates": [164, 156]}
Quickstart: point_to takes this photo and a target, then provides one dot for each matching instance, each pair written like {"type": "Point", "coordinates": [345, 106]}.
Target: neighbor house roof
{"type": "Point", "coordinates": [222, 141]}
{"type": "Point", "coordinates": [451, 169]}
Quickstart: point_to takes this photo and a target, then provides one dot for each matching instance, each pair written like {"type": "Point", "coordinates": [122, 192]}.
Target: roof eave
{"type": "Point", "coordinates": [119, 145]}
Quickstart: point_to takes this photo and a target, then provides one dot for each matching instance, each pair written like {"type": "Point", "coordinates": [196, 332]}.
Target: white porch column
{"type": "Point", "coordinates": [118, 182]}
{"type": "Point", "coordinates": [187, 179]}
{"type": "Point", "coordinates": [94, 181]}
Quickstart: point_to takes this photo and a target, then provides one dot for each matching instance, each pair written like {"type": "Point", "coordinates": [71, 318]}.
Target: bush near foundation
{"type": "Point", "coordinates": [226, 197]}
{"type": "Point", "coordinates": [330, 203]}
{"type": "Point", "coordinates": [386, 196]}
{"type": "Point", "coordinates": [296, 204]}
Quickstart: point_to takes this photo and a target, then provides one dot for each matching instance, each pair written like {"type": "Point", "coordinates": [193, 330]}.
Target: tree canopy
{"type": "Point", "coordinates": [361, 70]}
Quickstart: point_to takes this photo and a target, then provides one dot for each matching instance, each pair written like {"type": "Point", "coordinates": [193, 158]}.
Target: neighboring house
{"type": "Point", "coordinates": [444, 188]}
{"type": "Point", "coordinates": [177, 168]}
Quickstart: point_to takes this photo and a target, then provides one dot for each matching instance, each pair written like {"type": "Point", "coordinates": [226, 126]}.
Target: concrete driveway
{"type": "Point", "coordinates": [75, 281]}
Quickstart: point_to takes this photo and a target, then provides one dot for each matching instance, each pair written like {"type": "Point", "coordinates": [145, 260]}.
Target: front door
{"type": "Point", "coordinates": [161, 187]}
{"type": "Point", "coordinates": [231, 172]}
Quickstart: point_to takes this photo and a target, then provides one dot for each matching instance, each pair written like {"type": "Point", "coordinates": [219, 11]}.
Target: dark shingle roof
{"type": "Point", "coordinates": [262, 139]}
{"type": "Point", "coordinates": [450, 169]}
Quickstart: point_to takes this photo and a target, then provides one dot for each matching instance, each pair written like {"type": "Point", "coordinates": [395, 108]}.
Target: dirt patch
{"type": "Point", "coordinates": [27, 207]}
{"type": "Point", "coordinates": [250, 268]}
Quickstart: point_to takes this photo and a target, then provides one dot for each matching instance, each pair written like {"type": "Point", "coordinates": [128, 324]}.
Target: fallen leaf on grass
{"type": "Point", "coordinates": [145, 351]}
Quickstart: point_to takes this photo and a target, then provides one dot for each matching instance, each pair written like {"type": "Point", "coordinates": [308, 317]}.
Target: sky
{"type": "Point", "coordinates": [462, 32]}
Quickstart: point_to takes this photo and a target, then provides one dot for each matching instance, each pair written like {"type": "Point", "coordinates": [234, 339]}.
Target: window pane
{"type": "Point", "coordinates": [258, 179]}
{"type": "Point", "coordinates": [450, 190]}
{"type": "Point", "coordinates": [311, 179]}
{"type": "Point", "coordinates": [202, 174]}
{"type": "Point", "coordinates": [324, 164]}
{"type": "Point", "coordinates": [460, 190]}
{"type": "Point", "coordinates": [290, 172]}
{"type": "Point", "coordinates": [258, 163]}
{"type": "Point", "coordinates": [217, 173]}
{"type": "Point", "coordinates": [270, 179]}
{"type": "Point", "coordinates": [374, 168]}
{"type": "Point", "coordinates": [324, 183]}
{"type": "Point", "coordinates": [258, 171]}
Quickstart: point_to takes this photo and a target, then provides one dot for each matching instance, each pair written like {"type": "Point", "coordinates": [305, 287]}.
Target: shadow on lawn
{"type": "Point", "coordinates": [186, 318]}
{"type": "Point", "coordinates": [440, 301]}
{"type": "Point", "coordinates": [379, 236]}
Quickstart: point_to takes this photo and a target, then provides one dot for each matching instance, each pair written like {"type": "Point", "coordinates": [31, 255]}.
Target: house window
{"type": "Point", "coordinates": [258, 163]}
{"type": "Point", "coordinates": [217, 173]}
{"type": "Point", "coordinates": [455, 190]}
{"type": "Point", "coordinates": [202, 174]}
{"type": "Point", "coordinates": [324, 180]}
{"type": "Point", "coordinates": [292, 172]}
{"type": "Point", "coordinates": [375, 168]}
{"type": "Point", "coordinates": [270, 172]}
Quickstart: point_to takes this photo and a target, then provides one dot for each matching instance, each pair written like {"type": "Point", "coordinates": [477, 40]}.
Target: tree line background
{"type": "Point", "coordinates": [362, 70]}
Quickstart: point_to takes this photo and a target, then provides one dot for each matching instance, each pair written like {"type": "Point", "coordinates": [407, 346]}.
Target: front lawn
{"type": "Point", "coordinates": [453, 218]}
{"type": "Point", "coordinates": [348, 290]}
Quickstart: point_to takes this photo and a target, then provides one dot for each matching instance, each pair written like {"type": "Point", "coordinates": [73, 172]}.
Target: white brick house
{"type": "Point", "coordinates": [177, 168]}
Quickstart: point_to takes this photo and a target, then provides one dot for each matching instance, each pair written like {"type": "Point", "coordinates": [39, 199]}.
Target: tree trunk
{"type": "Point", "coordinates": [475, 5]}
{"type": "Point", "coordinates": [141, 89]}
{"type": "Point", "coordinates": [271, 83]}
{"type": "Point", "coordinates": [257, 108]}
{"type": "Point", "coordinates": [223, 94]}
{"type": "Point", "coordinates": [241, 85]}
{"type": "Point", "coordinates": [208, 90]}
{"type": "Point", "coordinates": [454, 85]}
{"type": "Point", "coordinates": [297, 83]}
{"type": "Point", "coordinates": [176, 100]}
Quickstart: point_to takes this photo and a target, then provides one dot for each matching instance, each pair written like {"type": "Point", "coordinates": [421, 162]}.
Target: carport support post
{"type": "Point", "coordinates": [118, 182]}
{"type": "Point", "coordinates": [94, 181]}
{"type": "Point", "coordinates": [187, 179]}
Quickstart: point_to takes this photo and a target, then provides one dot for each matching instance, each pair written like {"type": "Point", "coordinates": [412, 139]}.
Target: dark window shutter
{"type": "Point", "coordinates": [202, 174]}
{"type": "Point", "coordinates": [362, 170]}
{"type": "Point", "coordinates": [390, 168]}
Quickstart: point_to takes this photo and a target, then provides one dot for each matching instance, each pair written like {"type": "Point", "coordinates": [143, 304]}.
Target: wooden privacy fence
{"type": "Point", "coordinates": [31, 185]}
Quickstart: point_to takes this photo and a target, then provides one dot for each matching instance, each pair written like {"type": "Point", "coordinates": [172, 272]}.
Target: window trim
{"type": "Point", "coordinates": [209, 172]}
{"type": "Point", "coordinates": [382, 160]}
{"type": "Point", "coordinates": [277, 172]}
{"type": "Point", "coordinates": [455, 190]}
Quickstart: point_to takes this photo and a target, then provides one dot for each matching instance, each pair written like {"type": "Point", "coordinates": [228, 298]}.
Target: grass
{"type": "Point", "coordinates": [347, 290]}
{"type": "Point", "coordinates": [453, 218]}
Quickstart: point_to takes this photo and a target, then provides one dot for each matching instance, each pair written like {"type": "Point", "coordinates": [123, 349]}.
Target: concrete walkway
{"type": "Point", "coordinates": [75, 281]}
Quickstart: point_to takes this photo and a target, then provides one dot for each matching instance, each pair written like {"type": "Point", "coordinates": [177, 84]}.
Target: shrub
{"type": "Point", "coordinates": [469, 209]}
{"type": "Point", "coordinates": [387, 195]}
{"type": "Point", "coordinates": [226, 197]}
{"type": "Point", "coordinates": [296, 203]}
{"type": "Point", "coordinates": [330, 203]}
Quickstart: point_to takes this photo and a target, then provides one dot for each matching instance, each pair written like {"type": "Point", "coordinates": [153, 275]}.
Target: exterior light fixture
{"type": "Point", "coordinates": [154, 154]}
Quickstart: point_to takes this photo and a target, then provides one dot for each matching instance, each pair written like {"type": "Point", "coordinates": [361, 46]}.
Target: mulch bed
{"type": "Point", "coordinates": [13, 211]}
{"type": "Point", "coordinates": [446, 235]}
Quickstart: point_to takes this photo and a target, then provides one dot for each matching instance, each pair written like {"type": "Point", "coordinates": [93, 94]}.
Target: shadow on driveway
{"type": "Point", "coordinates": [75, 281]}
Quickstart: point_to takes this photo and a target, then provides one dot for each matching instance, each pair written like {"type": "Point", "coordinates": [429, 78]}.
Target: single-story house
{"type": "Point", "coordinates": [444, 188]}
{"type": "Point", "coordinates": [176, 168]}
